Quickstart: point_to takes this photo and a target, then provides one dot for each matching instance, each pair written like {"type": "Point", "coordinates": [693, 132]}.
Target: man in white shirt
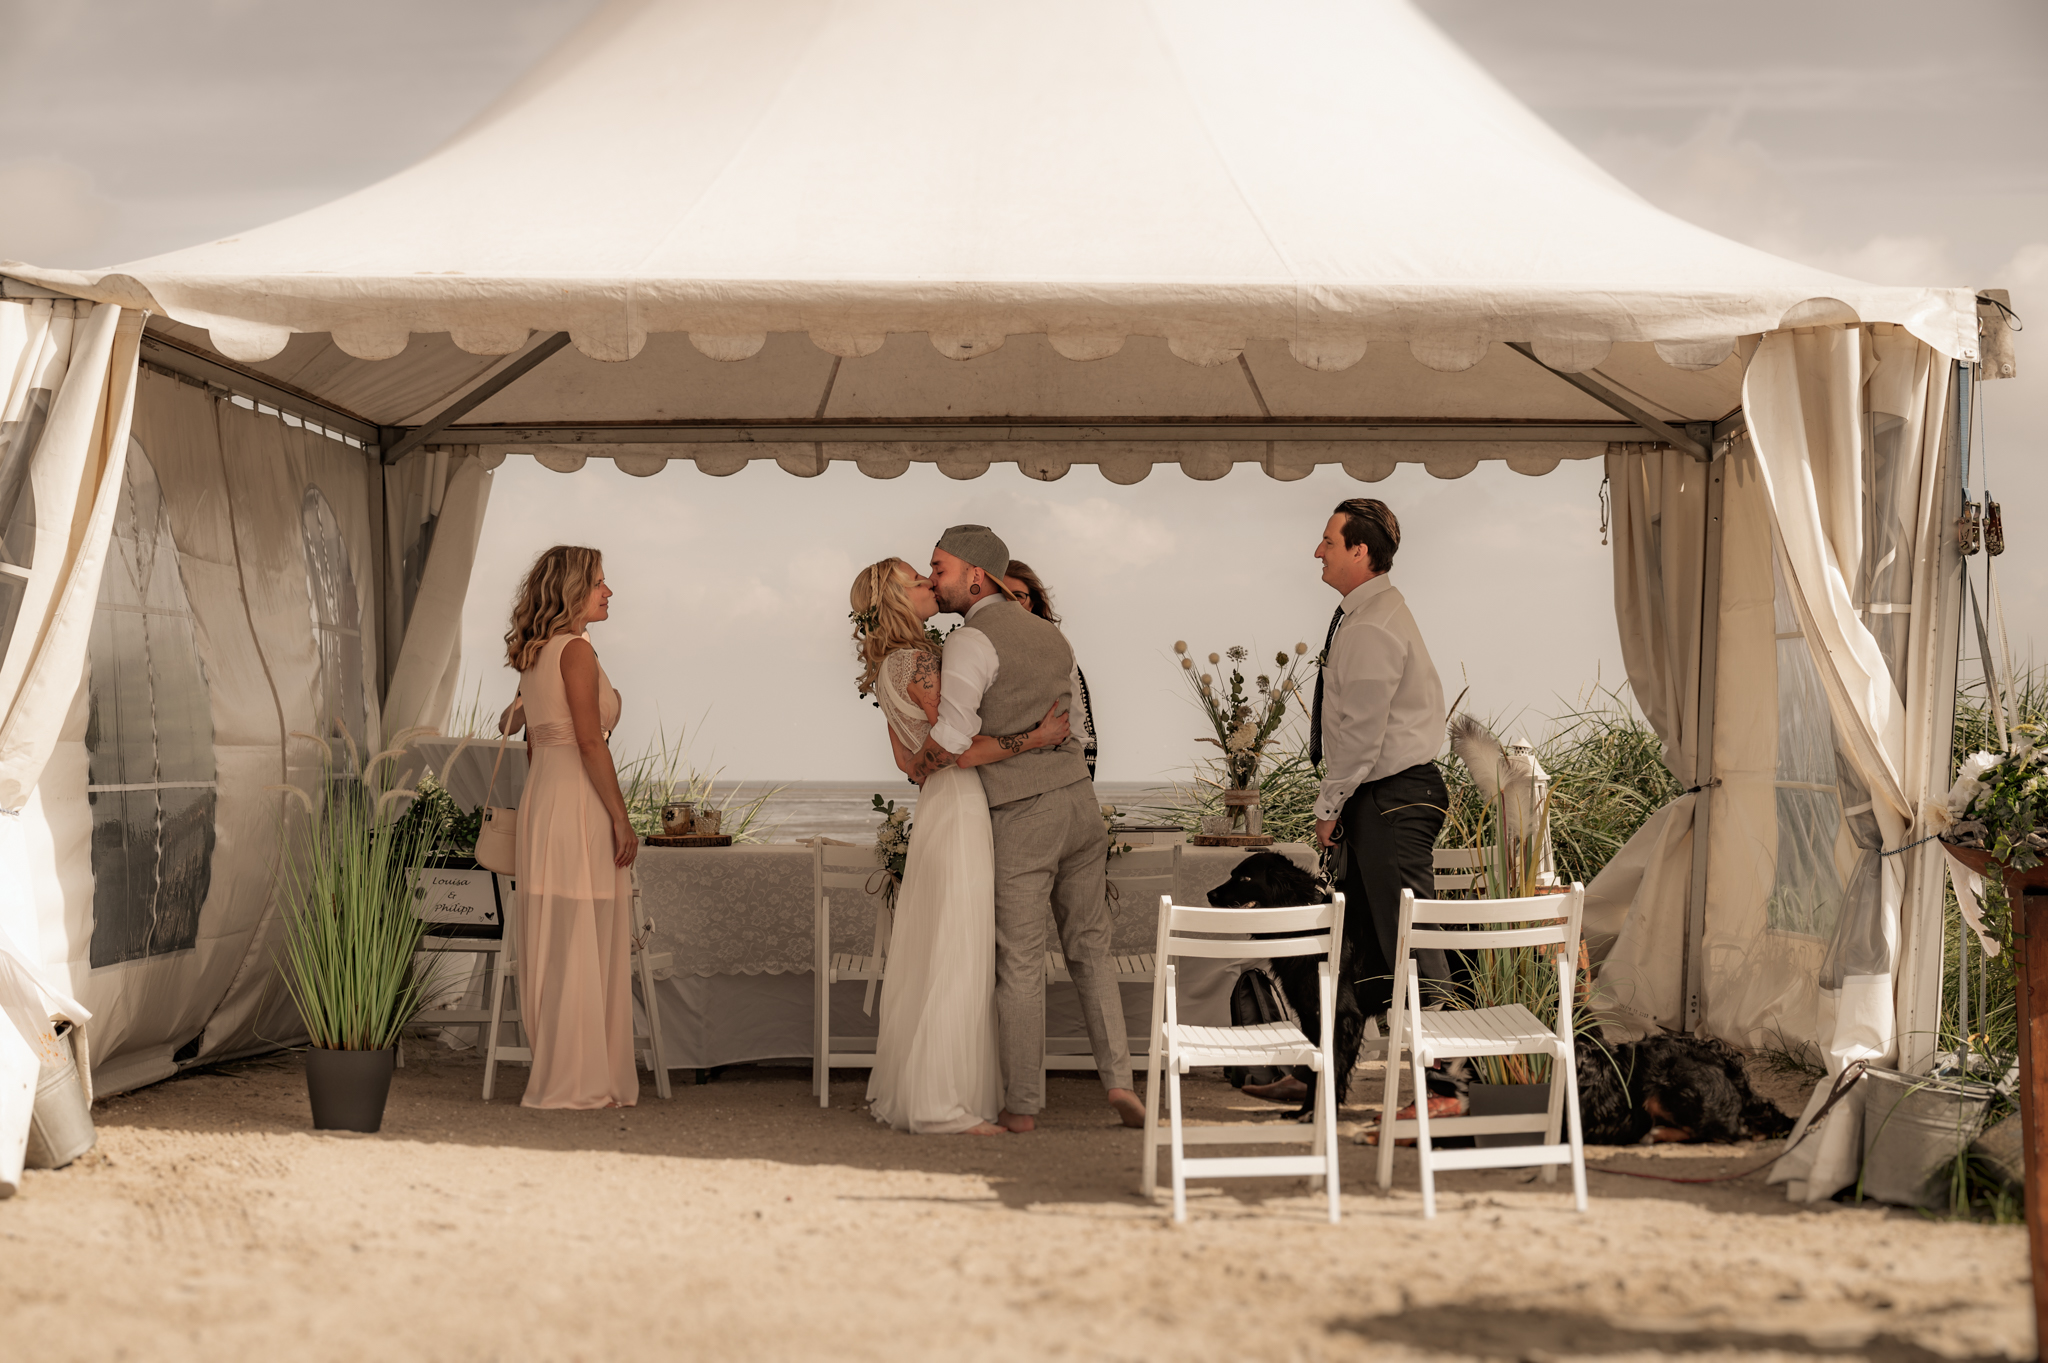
{"type": "Point", "coordinates": [1378, 727]}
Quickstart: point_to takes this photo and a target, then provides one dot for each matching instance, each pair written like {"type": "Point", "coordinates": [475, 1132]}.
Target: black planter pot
{"type": "Point", "coordinates": [1508, 1100]}
{"type": "Point", "coordinates": [348, 1088]}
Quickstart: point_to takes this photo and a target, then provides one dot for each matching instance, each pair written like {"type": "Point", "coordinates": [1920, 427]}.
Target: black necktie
{"type": "Point", "coordinates": [1315, 719]}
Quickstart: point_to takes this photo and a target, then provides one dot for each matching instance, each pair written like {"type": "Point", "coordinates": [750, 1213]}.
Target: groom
{"type": "Point", "coordinates": [1004, 669]}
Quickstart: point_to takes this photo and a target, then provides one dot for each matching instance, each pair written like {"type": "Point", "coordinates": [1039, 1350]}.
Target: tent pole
{"type": "Point", "coordinates": [1703, 744]}
{"type": "Point", "coordinates": [1919, 973]}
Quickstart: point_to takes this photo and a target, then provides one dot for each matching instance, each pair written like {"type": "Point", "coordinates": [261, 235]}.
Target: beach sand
{"type": "Point", "coordinates": [741, 1221]}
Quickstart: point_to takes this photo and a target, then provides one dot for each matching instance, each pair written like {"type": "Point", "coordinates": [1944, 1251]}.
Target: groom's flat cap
{"type": "Point", "coordinates": [978, 545]}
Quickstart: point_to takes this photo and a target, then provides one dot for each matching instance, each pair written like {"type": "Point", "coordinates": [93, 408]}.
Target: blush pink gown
{"type": "Point", "coordinates": [575, 909]}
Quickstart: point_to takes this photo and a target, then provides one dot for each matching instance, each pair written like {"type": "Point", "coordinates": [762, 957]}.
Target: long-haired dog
{"type": "Point", "coordinates": [1671, 1088]}
{"type": "Point", "coordinates": [1268, 880]}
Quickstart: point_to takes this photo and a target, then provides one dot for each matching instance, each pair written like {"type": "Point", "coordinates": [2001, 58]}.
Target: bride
{"type": "Point", "coordinates": [936, 1069]}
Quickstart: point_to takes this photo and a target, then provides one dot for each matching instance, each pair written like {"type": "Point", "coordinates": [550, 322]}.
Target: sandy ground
{"type": "Point", "coordinates": [741, 1221]}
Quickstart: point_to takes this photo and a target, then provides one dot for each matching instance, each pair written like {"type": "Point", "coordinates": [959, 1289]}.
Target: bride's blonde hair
{"type": "Point", "coordinates": [882, 619]}
{"type": "Point", "coordinates": [556, 588]}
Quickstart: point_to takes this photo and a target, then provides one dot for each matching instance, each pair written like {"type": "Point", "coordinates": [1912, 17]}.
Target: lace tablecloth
{"type": "Point", "coordinates": [748, 910]}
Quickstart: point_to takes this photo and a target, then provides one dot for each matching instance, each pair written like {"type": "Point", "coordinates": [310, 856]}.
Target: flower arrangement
{"type": "Point", "coordinates": [892, 841]}
{"type": "Point", "coordinates": [1244, 718]}
{"type": "Point", "coordinates": [1999, 805]}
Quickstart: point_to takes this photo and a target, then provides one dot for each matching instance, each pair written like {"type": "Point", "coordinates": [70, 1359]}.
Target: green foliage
{"type": "Point", "coordinates": [663, 773]}
{"type": "Point", "coordinates": [435, 818]}
{"type": "Point", "coordinates": [346, 888]}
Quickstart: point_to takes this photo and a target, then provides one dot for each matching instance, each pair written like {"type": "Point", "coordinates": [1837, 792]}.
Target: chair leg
{"type": "Point", "coordinates": [1326, 1115]}
{"type": "Point", "coordinates": [821, 1068]}
{"type": "Point", "coordinates": [1551, 1133]}
{"type": "Point", "coordinates": [657, 1058]}
{"type": "Point", "coordinates": [491, 1035]}
{"type": "Point", "coordinates": [1422, 1138]}
{"type": "Point", "coordinates": [1568, 1063]}
{"type": "Point", "coordinates": [1390, 1103]}
{"type": "Point", "coordinates": [1180, 1182]}
{"type": "Point", "coordinates": [1148, 1178]}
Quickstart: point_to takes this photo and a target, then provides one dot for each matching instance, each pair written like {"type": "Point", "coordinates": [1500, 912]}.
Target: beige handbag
{"type": "Point", "coordinates": [497, 838]}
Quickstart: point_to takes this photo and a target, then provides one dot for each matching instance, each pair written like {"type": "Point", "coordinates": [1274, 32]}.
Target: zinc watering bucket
{"type": "Point", "coordinates": [60, 1129]}
{"type": "Point", "coordinates": [1914, 1127]}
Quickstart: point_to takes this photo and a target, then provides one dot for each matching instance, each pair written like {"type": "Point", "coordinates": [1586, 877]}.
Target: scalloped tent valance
{"type": "Point", "coordinates": [1332, 185]}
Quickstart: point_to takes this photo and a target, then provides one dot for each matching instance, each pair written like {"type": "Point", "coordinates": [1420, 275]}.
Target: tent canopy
{"type": "Point", "coordinates": [1301, 224]}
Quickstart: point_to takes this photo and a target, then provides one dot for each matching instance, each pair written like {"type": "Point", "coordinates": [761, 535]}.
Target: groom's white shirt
{"type": "Point", "coordinates": [966, 675]}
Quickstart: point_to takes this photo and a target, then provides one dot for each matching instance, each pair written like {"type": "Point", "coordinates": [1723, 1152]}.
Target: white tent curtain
{"type": "Point", "coordinates": [69, 375]}
{"type": "Point", "coordinates": [434, 502]}
{"type": "Point", "coordinates": [76, 363]}
{"type": "Point", "coordinates": [1635, 908]}
{"type": "Point", "coordinates": [1847, 424]}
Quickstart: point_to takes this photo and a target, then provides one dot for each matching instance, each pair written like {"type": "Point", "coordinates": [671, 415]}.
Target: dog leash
{"type": "Point", "coordinates": [1842, 1086]}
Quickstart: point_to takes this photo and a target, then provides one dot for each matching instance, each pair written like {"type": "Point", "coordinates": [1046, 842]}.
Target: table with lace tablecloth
{"type": "Point", "coordinates": [738, 922]}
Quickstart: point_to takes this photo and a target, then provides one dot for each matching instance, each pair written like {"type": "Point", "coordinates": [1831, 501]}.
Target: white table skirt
{"type": "Point", "coordinates": [739, 924]}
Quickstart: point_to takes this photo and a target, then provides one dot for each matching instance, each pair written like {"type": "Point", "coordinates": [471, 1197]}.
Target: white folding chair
{"type": "Point", "coordinates": [1176, 1048]}
{"type": "Point", "coordinates": [1140, 876]}
{"type": "Point", "coordinates": [1507, 1029]}
{"type": "Point", "coordinates": [849, 871]}
{"type": "Point", "coordinates": [647, 1047]}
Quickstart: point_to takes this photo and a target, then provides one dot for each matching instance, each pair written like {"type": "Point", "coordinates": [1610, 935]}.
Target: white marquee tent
{"type": "Point", "coordinates": [241, 484]}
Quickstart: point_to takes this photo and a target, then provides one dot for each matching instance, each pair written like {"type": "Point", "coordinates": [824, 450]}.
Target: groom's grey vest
{"type": "Point", "coordinates": [1034, 668]}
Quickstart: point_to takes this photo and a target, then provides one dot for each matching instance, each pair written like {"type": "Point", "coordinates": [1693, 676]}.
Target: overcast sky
{"type": "Point", "coordinates": [1898, 142]}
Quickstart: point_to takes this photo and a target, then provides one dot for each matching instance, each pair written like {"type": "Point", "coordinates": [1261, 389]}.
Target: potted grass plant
{"type": "Point", "coordinates": [345, 887]}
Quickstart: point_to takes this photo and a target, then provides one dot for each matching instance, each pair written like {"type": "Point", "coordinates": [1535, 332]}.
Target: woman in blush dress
{"type": "Point", "coordinates": [936, 1067]}
{"type": "Point", "coordinates": [576, 845]}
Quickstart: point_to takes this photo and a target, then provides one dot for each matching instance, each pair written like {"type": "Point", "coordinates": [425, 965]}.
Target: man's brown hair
{"type": "Point", "coordinates": [1370, 522]}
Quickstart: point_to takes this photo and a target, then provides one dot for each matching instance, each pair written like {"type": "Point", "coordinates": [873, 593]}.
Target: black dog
{"type": "Point", "coordinates": [1267, 880]}
{"type": "Point", "coordinates": [1671, 1088]}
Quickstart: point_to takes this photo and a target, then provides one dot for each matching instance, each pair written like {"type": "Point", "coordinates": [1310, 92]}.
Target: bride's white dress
{"type": "Point", "coordinates": [936, 1067]}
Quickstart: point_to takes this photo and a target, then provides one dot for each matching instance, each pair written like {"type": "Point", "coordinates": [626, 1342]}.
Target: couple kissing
{"type": "Point", "coordinates": [1009, 836]}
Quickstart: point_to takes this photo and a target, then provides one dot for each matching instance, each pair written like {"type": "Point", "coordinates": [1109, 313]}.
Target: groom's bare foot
{"type": "Point", "coordinates": [986, 1129]}
{"type": "Point", "coordinates": [1128, 1107]}
{"type": "Point", "coordinates": [1016, 1122]}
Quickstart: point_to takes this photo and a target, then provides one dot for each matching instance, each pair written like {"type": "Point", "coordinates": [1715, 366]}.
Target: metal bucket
{"type": "Point", "coordinates": [1914, 1127]}
{"type": "Point", "coordinates": [60, 1127]}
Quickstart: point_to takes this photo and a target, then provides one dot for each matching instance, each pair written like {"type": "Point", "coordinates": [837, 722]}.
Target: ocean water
{"type": "Point", "coordinates": [845, 809]}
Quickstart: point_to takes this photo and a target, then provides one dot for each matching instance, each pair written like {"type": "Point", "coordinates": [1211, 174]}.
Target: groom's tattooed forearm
{"type": "Point", "coordinates": [1013, 743]}
{"type": "Point", "coordinates": [933, 758]}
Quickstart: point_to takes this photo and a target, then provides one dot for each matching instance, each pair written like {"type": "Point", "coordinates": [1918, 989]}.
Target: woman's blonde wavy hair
{"type": "Point", "coordinates": [556, 588]}
{"type": "Point", "coordinates": [882, 619]}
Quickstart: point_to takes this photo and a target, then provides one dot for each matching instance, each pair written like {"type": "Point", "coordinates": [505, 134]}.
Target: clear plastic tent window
{"type": "Point", "coordinates": [18, 440]}
{"type": "Point", "coordinates": [149, 739]}
{"type": "Point", "coordinates": [337, 621]}
{"type": "Point", "coordinates": [1806, 892]}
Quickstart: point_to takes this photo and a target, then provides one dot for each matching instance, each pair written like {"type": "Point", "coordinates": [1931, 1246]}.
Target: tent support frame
{"type": "Point", "coordinates": [398, 444]}
{"type": "Point", "coordinates": [1703, 780]}
{"type": "Point", "coordinates": [799, 431]}
{"type": "Point", "coordinates": [1683, 440]}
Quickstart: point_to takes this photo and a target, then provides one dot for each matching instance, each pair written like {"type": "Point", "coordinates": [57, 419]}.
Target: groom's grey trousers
{"type": "Point", "coordinates": [1050, 849]}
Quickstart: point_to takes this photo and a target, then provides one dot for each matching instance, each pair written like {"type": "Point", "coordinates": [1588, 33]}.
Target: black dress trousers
{"type": "Point", "coordinates": [1390, 828]}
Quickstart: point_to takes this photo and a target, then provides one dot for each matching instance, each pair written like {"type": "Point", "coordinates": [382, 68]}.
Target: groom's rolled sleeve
{"type": "Point", "coordinates": [970, 666]}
